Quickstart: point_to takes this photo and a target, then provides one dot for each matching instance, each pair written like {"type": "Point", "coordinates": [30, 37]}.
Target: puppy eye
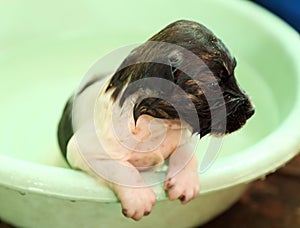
{"type": "Point", "coordinates": [213, 85]}
{"type": "Point", "coordinates": [223, 73]}
{"type": "Point", "coordinates": [175, 57]}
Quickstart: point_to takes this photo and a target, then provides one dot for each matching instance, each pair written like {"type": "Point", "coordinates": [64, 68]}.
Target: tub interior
{"type": "Point", "coordinates": [42, 63]}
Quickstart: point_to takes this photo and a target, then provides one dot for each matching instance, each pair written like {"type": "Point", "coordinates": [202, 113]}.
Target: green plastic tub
{"type": "Point", "coordinates": [45, 49]}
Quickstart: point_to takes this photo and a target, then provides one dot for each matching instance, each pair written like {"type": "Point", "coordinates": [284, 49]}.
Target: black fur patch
{"type": "Point", "coordinates": [215, 70]}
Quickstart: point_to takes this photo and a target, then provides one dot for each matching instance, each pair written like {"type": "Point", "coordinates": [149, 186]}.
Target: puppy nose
{"type": "Point", "coordinates": [248, 107]}
{"type": "Point", "coordinates": [250, 113]}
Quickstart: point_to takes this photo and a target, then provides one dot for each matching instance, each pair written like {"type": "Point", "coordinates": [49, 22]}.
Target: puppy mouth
{"type": "Point", "coordinates": [239, 114]}
{"type": "Point", "coordinates": [239, 110]}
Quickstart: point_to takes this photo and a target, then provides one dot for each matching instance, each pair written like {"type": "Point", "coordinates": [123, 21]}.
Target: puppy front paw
{"type": "Point", "coordinates": [136, 202]}
{"type": "Point", "coordinates": [183, 186]}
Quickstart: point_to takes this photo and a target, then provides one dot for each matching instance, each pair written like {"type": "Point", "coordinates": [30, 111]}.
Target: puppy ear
{"type": "Point", "coordinates": [123, 74]}
{"type": "Point", "coordinates": [155, 107]}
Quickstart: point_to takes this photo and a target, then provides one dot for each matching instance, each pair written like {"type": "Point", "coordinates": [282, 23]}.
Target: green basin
{"type": "Point", "coordinates": [45, 49]}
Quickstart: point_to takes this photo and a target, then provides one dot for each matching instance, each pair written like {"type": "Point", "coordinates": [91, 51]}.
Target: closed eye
{"type": "Point", "coordinates": [213, 85]}
{"type": "Point", "coordinates": [175, 57]}
{"type": "Point", "coordinates": [173, 71]}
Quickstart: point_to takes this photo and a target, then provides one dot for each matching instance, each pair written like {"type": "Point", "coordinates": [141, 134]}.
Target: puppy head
{"type": "Point", "coordinates": [192, 58]}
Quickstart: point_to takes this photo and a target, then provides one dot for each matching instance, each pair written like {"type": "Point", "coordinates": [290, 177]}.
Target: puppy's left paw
{"type": "Point", "coordinates": [183, 186]}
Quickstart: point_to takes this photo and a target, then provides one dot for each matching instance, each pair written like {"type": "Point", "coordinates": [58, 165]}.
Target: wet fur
{"type": "Point", "coordinates": [220, 66]}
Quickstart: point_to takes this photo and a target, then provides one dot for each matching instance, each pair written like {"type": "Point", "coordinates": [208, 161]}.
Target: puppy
{"type": "Point", "coordinates": [167, 93]}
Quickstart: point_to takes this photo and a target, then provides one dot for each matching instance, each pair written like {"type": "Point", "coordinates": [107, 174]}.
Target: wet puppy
{"type": "Point", "coordinates": [170, 91]}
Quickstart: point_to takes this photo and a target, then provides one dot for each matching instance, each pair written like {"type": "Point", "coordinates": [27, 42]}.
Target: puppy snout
{"type": "Point", "coordinates": [248, 107]}
{"type": "Point", "coordinates": [239, 102]}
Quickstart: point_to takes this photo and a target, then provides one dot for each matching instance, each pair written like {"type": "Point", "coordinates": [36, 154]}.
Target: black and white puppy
{"type": "Point", "coordinates": [168, 92]}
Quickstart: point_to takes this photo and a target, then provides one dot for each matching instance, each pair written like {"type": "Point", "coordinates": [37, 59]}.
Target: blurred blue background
{"type": "Point", "coordinates": [289, 10]}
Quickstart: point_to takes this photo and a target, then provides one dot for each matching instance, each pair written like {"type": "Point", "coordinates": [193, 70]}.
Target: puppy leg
{"type": "Point", "coordinates": [137, 199]}
{"type": "Point", "coordinates": [182, 181]}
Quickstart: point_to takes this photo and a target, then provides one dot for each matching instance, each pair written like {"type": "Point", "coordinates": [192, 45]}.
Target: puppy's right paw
{"type": "Point", "coordinates": [136, 202]}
